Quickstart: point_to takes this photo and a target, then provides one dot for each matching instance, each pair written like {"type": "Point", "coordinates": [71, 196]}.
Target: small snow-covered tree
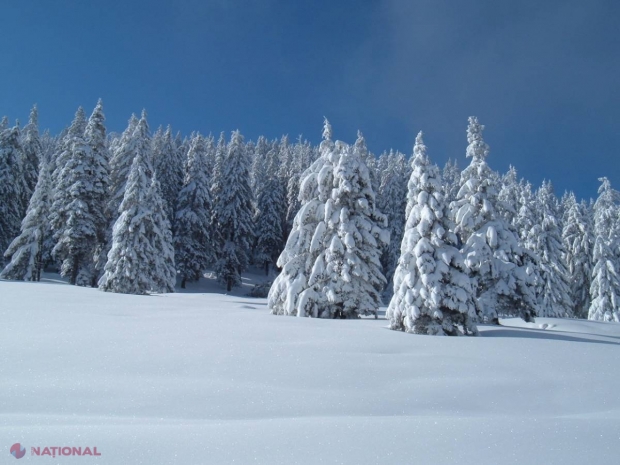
{"type": "Point", "coordinates": [432, 290]}
{"type": "Point", "coordinates": [502, 272]}
{"type": "Point", "coordinates": [25, 252]}
{"type": "Point", "coordinates": [578, 243]}
{"type": "Point", "coordinates": [233, 214]}
{"type": "Point", "coordinates": [605, 287]}
{"type": "Point", "coordinates": [194, 248]}
{"type": "Point", "coordinates": [11, 186]}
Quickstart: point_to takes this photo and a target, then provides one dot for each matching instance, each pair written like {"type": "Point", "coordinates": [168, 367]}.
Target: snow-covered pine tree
{"type": "Point", "coordinates": [130, 260]}
{"type": "Point", "coordinates": [194, 249]}
{"type": "Point", "coordinates": [300, 252]}
{"type": "Point", "coordinates": [451, 178]}
{"type": "Point", "coordinates": [605, 287]}
{"type": "Point", "coordinates": [218, 171]}
{"type": "Point", "coordinates": [259, 166]}
{"type": "Point", "coordinates": [432, 290]}
{"type": "Point", "coordinates": [392, 201]}
{"type": "Point", "coordinates": [120, 164]}
{"type": "Point", "coordinates": [11, 187]}
{"type": "Point", "coordinates": [299, 155]}
{"type": "Point", "coordinates": [346, 279]}
{"type": "Point", "coordinates": [169, 169]}
{"type": "Point", "coordinates": [331, 266]}
{"type": "Point", "coordinates": [25, 252]}
{"type": "Point", "coordinates": [31, 153]}
{"type": "Point", "coordinates": [4, 123]}
{"type": "Point", "coordinates": [268, 219]}
{"type": "Point", "coordinates": [553, 288]}
{"type": "Point", "coordinates": [233, 214]}
{"type": "Point", "coordinates": [95, 136]}
{"type": "Point", "coordinates": [76, 238]}
{"type": "Point", "coordinates": [501, 271]}
{"type": "Point", "coordinates": [77, 128]}
{"type": "Point", "coordinates": [578, 243]}
{"type": "Point", "coordinates": [159, 234]}
{"type": "Point", "coordinates": [508, 197]}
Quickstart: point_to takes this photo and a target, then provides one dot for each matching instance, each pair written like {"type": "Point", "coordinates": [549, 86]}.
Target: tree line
{"type": "Point", "coordinates": [135, 212]}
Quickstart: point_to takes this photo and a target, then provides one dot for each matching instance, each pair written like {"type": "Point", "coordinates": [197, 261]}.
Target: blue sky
{"type": "Point", "coordinates": [544, 77]}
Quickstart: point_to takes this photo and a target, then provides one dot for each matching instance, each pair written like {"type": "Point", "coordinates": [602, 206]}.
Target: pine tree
{"type": "Point", "coordinates": [193, 231]}
{"type": "Point", "coordinates": [553, 289]}
{"type": "Point", "coordinates": [120, 165]}
{"type": "Point", "coordinates": [233, 214]}
{"type": "Point", "coordinates": [502, 272]}
{"type": "Point", "coordinates": [451, 180]}
{"type": "Point", "coordinates": [393, 203]}
{"type": "Point", "coordinates": [508, 198]}
{"type": "Point", "coordinates": [432, 290]}
{"type": "Point", "coordinates": [301, 251]}
{"type": "Point", "coordinates": [169, 170]}
{"type": "Point", "coordinates": [26, 250]}
{"type": "Point", "coordinates": [331, 266]}
{"type": "Point", "coordinates": [31, 153]}
{"type": "Point", "coordinates": [268, 219]}
{"type": "Point", "coordinates": [130, 261]}
{"type": "Point", "coordinates": [95, 136]}
{"type": "Point", "coordinates": [77, 128]}
{"type": "Point", "coordinates": [578, 243]}
{"type": "Point", "coordinates": [159, 234]}
{"type": "Point", "coordinates": [11, 186]}
{"type": "Point", "coordinates": [605, 287]}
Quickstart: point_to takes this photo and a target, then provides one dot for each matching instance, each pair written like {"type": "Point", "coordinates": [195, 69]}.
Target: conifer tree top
{"type": "Point", "coordinates": [477, 148]}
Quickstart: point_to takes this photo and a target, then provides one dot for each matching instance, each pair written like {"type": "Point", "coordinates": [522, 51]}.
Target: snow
{"type": "Point", "coordinates": [199, 377]}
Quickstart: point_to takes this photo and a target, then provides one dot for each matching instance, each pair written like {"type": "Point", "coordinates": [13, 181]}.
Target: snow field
{"type": "Point", "coordinates": [202, 378]}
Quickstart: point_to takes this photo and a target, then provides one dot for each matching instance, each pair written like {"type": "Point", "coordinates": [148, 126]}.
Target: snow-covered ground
{"type": "Point", "coordinates": [208, 378]}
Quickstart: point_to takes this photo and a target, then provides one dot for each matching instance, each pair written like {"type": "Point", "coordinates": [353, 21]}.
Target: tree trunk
{"type": "Point", "coordinates": [266, 268]}
{"type": "Point", "coordinates": [229, 285]}
{"type": "Point", "coordinates": [183, 281]}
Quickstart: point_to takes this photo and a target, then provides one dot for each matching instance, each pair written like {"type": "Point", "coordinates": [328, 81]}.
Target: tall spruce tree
{"type": "Point", "coordinates": [301, 251]}
{"type": "Point", "coordinates": [502, 272]}
{"type": "Point", "coordinates": [331, 266]}
{"type": "Point", "coordinates": [432, 290]}
{"type": "Point", "coordinates": [392, 202]}
{"type": "Point", "coordinates": [268, 219]}
{"type": "Point", "coordinates": [553, 289]}
{"type": "Point", "coordinates": [233, 214]}
{"type": "Point", "coordinates": [605, 287]}
{"type": "Point", "coordinates": [578, 243]}
{"type": "Point", "coordinates": [169, 169]}
{"type": "Point", "coordinates": [31, 153]}
{"type": "Point", "coordinates": [95, 136]}
{"type": "Point", "coordinates": [193, 237]}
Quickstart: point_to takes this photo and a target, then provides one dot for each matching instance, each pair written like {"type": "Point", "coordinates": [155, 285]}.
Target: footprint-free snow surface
{"type": "Point", "coordinates": [208, 378]}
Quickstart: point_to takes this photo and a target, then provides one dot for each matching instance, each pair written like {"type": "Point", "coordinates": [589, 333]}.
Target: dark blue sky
{"type": "Point", "coordinates": [543, 76]}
